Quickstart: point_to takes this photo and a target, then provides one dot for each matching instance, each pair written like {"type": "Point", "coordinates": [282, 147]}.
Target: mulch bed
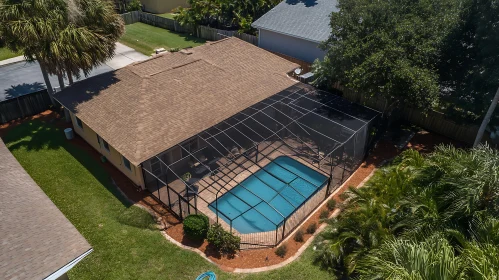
{"type": "Point", "coordinates": [423, 141]}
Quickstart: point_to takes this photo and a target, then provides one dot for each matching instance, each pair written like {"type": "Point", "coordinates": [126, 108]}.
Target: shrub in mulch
{"type": "Point", "coordinates": [196, 226]}
{"type": "Point", "coordinates": [298, 236]}
{"type": "Point", "coordinates": [281, 251]}
{"type": "Point", "coordinates": [331, 204]}
{"type": "Point", "coordinates": [324, 215]}
{"type": "Point", "coordinates": [312, 228]}
{"type": "Point", "coordinates": [223, 241]}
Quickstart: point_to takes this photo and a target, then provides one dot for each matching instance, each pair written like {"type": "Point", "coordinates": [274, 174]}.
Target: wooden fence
{"type": "Point", "coordinates": [205, 32]}
{"type": "Point", "coordinates": [24, 106]}
{"type": "Point", "coordinates": [431, 120]}
{"type": "Point", "coordinates": [131, 17]}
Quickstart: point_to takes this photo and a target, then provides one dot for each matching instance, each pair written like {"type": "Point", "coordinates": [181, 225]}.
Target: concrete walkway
{"type": "Point", "coordinates": [18, 77]}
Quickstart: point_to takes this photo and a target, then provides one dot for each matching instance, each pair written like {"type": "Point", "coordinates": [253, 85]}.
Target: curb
{"type": "Point", "coordinates": [11, 60]}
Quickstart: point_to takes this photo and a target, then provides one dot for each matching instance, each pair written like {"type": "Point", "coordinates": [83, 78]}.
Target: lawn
{"type": "Point", "coordinates": [126, 243]}
{"type": "Point", "coordinates": [145, 38]}
{"type": "Point", "coordinates": [6, 53]}
{"type": "Point", "coordinates": [167, 15]}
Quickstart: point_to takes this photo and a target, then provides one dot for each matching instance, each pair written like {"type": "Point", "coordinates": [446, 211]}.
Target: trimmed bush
{"type": "Point", "coordinates": [344, 196]}
{"type": "Point", "coordinates": [299, 236]}
{"type": "Point", "coordinates": [196, 226]}
{"type": "Point", "coordinates": [224, 241]}
{"type": "Point", "coordinates": [324, 214]}
{"type": "Point", "coordinates": [312, 228]}
{"type": "Point", "coordinates": [331, 204]}
{"type": "Point", "coordinates": [281, 251]}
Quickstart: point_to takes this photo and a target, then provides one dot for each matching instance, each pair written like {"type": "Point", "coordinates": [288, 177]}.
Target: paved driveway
{"type": "Point", "coordinates": [21, 77]}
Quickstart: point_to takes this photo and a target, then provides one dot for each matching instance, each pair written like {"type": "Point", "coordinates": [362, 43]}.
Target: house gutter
{"type": "Point", "coordinates": [63, 270]}
{"type": "Point", "coordinates": [284, 33]}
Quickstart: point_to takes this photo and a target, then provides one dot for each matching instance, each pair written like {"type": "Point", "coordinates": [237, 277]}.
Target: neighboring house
{"type": "Point", "coordinates": [162, 6]}
{"type": "Point", "coordinates": [296, 28]}
{"type": "Point", "coordinates": [133, 114]}
{"type": "Point", "coordinates": [36, 240]}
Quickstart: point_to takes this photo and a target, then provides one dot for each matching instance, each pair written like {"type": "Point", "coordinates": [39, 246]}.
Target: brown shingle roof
{"type": "Point", "coordinates": [36, 239]}
{"type": "Point", "coordinates": [148, 107]}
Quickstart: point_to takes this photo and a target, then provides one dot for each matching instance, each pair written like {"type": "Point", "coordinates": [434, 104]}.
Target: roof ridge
{"type": "Point", "coordinates": [149, 59]}
{"type": "Point", "coordinates": [140, 117]}
{"type": "Point", "coordinates": [174, 67]}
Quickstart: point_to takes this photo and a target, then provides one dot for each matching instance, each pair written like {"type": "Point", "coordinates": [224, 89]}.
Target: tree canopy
{"type": "Point", "coordinates": [64, 36]}
{"type": "Point", "coordinates": [441, 55]}
{"type": "Point", "coordinates": [225, 14]}
{"type": "Point", "coordinates": [469, 67]}
{"type": "Point", "coordinates": [388, 48]}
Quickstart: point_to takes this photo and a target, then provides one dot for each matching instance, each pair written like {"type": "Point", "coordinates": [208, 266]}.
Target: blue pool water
{"type": "Point", "coordinates": [282, 198]}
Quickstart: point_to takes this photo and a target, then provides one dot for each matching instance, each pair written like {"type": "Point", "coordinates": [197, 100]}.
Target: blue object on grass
{"type": "Point", "coordinates": [209, 275]}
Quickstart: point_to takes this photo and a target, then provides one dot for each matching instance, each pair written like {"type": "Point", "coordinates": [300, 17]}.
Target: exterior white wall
{"type": "Point", "coordinates": [294, 47]}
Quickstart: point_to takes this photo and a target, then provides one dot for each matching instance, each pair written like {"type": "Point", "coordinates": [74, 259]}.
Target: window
{"type": "Point", "coordinates": [106, 145]}
{"type": "Point", "coordinates": [98, 139]}
{"type": "Point", "coordinates": [127, 163]}
{"type": "Point", "coordinates": [78, 122]}
{"type": "Point", "coordinates": [189, 145]}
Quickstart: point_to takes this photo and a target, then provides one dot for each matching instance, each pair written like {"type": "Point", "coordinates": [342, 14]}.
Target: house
{"type": "Point", "coordinates": [134, 113]}
{"type": "Point", "coordinates": [295, 28]}
{"type": "Point", "coordinates": [162, 6]}
{"type": "Point", "coordinates": [36, 240]}
{"type": "Point", "coordinates": [196, 127]}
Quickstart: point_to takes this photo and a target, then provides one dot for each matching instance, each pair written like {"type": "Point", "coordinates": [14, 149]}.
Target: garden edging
{"type": "Point", "coordinates": [272, 267]}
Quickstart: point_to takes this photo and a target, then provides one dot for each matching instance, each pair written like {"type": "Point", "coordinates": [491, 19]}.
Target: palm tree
{"type": "Point", "coordinates": [468, 182]}
{"type": "Point", "coordinates": [482, 261]}
{"type": "Point", "coordinates": [410, 260]}
{"type": "Point", "coordinates": [452, 192]}
{"type": "Point", "coordinates": [65, 37]}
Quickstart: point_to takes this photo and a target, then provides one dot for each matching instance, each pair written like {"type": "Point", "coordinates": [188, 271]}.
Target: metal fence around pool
{"type": "Point", "coordinates": [261, 172]}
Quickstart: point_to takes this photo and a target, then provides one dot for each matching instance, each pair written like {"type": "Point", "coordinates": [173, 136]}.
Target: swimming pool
{"type": "Point", "coordinates": [291, 184]}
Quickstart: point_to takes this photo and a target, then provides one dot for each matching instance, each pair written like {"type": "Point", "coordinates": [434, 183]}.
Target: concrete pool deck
{"type": "Point", "coordinates": [241, 171]}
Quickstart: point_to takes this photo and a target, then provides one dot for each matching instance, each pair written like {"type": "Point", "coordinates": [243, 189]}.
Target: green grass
{"type": "Point", "coordinates": [167, 15]}
{"type": "Point", "coordinates": [145, 38]}
{"type": "Point", "coordinates": [6, 53]}
{"type": "Point", "coordinates": [126, 243]}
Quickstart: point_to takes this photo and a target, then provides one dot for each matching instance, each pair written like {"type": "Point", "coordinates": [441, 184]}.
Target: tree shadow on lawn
{"type": "Point", "coordinates": [39, 135]}
{"type": "Point", "coordinates": [188, 38]}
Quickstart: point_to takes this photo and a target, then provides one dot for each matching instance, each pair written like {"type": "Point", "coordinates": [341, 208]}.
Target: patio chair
{"type": "Point", "coordinates": [234, 152]}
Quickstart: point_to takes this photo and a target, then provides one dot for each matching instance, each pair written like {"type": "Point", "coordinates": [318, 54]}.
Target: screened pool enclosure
{"type": "Point", "coordinates": [261, 172]}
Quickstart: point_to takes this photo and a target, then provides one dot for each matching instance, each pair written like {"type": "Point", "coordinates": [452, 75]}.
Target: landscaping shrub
{"type": "Point", "coordinates": [196, 226]}
{"type": "Point", "coordinates": [224, 241]}
{"type": "Point", "coordinates": [344, 196]}
{"type": "Point", "coordinates": [324, 214]}
{"type": "Point", "coordinates": [134, 5]}
{"type": "Point", "coordinates": [312, 228]}
{"type": "Point", "coordinates": [281, 251]}
{"type": "Point", "coordinates": [331, 204]}
{"type": "Point", "coordinates": [299, 236]}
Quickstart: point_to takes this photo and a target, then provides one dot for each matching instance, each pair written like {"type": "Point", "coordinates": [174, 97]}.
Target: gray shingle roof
{"type": "Point", "coordinates": [36, 239]}
{"type": "Point", "coordinates": [305, 19]}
